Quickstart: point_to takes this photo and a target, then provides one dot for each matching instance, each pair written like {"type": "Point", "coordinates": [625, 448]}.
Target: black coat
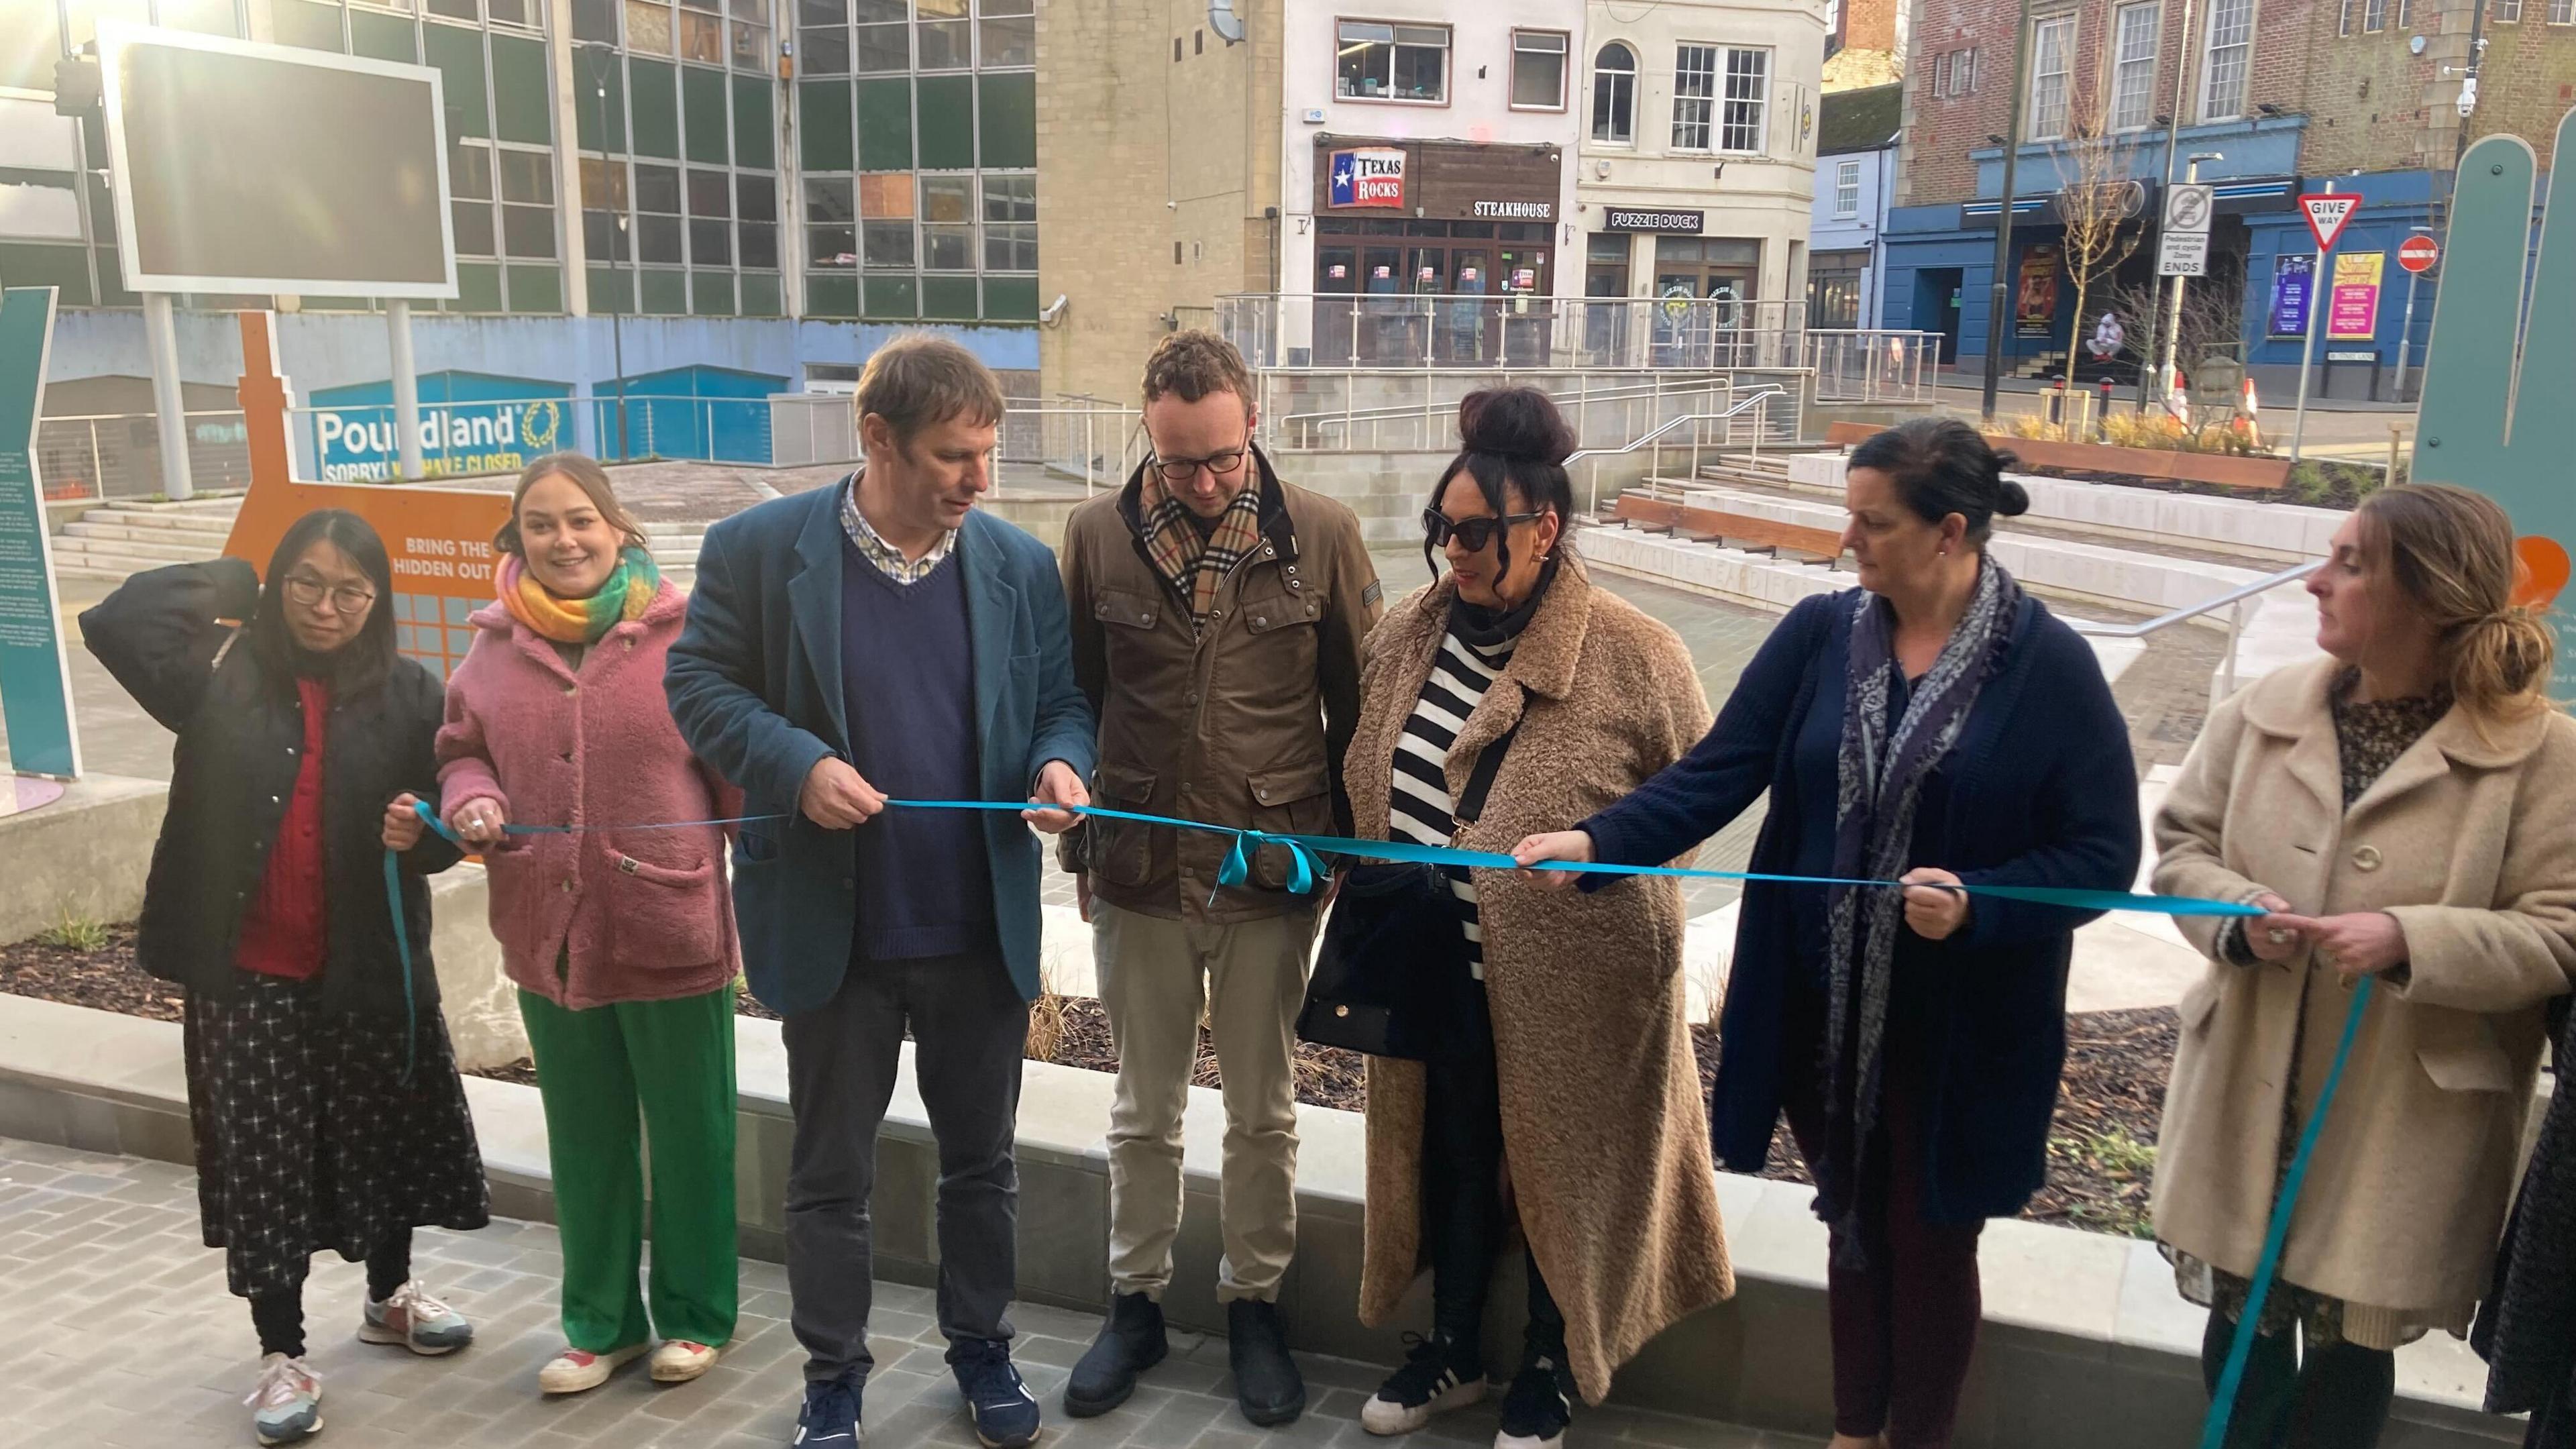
{"type": "Point", "coordinates": [241, 731]}
{"type": "Point", "coordinates": [2526, 1330]}
{"type": "Point", "coordinates": [2041, 789]}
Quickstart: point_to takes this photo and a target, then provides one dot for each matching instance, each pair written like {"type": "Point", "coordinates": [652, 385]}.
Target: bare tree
{"type": "Point", "coordinates": [2213, 313]}
{"type": "Point", "coordinates": [2097, 203]}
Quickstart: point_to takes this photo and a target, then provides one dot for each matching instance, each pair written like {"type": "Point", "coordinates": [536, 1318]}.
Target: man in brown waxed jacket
{"type": "Point", "coordinates": [1217, 615]}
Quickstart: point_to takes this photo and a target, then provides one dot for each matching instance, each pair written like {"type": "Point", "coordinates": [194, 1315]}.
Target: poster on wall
{"type": "Point", "coordinates": [35, 673]}
{"type": "Point", "coordinates": [2352, 308]}
{"type": "Point", "coordinates": [2035, 299]}
{"type": "Point", "coordinates": [1368, 176]}
{"type": "Point", "coordinates": [2293, 284]}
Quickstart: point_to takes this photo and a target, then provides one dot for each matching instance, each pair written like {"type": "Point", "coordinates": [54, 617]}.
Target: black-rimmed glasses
{"type": "Point", "coordinates": [308, 592]}
{"type": "Point", "coordinates": [1182, 470]}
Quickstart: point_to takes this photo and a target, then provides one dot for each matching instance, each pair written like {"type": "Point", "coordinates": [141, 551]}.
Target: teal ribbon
{"type": "Point", "coordinates": [402, 948]}
{"type": "Point", "coordinates": [2222, 1405]}
{"type": "Point", "coordinates": [1306, 871]}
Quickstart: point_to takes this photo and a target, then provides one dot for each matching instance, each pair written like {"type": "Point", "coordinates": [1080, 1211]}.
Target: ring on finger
{"type": "Point", "coordinates": [2279, 936]}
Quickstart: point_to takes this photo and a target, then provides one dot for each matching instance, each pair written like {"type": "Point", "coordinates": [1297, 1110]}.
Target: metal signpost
{"type": "Point", "coordinates": [2417, 254]}
{"type": "Point", "coordinates": [2326, 212]}
{"type": "Point", "coordinates": [2183, 253]}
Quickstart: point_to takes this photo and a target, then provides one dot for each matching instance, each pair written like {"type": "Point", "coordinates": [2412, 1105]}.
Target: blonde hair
{"type": "Point", "coordinates": [921, 378]}
{"type": "Point", "coordinates": [2450, 553]}
{"type": "Point", "coordinates": [586, 475]}
{"type": "Point", "coordinates": [1194, 362]}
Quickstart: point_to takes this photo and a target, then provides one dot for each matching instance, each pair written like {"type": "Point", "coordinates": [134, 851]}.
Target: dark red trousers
{"type": "Point", "coordinates": [1905, 1325]}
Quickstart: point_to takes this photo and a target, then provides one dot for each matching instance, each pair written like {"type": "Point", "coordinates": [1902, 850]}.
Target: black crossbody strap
{"type": "Point", "coordinates": [1480, 781]}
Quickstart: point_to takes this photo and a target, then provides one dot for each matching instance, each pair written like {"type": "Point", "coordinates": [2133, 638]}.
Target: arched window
{"type": "Point", "coordinates": [1614, 95]}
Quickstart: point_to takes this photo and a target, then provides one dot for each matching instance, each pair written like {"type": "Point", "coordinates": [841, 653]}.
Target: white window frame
{"type": "Point", "coordinates": [2508, 12]}
{"type": "Point", "coordinates": [2050, 104]}
{"type": "Point", "coordinates": [1846, 188]}
{"type": "Point", "coordinates": [1695, 95]}
{"type": "Point", "coordinates": [2216, 105]}
{"type": "Point", "coordinates": [1396, 29]}
{"type": "Point", "coordinates": [2344, 16]}
{"type": "Point", "coordinates": [2562, 12]}
{"type": "Point", "coordinates": [1941, 75]}
{"type": "Point", "coordinates": [1624, 91]}
{"type": "Point", "coordinates": [1968, 61]}
{"type": "Point", "coordinates": [2133, 73]}
{"type": "Point", "coordinates": [1746, 116]}
{"type": "Point", "coordinates": [2374, 16]}
{"type": "Point", "coordinates": [1564, 53]}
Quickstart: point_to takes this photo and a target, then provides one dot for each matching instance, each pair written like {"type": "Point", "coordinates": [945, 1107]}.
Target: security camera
{"type": "Point", "coordinates": [2468, 96]}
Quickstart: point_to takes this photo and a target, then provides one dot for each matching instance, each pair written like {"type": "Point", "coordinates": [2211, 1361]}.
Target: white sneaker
{"type": "Point", "coordinates": [416, 1321]}
{"type": "Point", "coordinates": [678, 1360]}
{"type": "Point", "coordinates": [287, 1404]}
{"type": "Point", "coordinates": [574, 1369]}
{"type": "Point", "coordinates": [1438, 1375]}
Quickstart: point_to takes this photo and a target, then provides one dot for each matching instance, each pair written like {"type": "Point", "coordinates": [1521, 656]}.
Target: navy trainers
{"type": "Point", "coordinates": [830, 1418]}
{"type": "Point", "coordinates": [1005, 1412]}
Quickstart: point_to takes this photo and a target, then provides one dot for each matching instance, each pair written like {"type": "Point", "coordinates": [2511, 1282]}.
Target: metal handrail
{"type": "Point", "coordinates": [2162, 622]}
{"type": "Point", "coordinates": [1759, 398]}
{"type": "Point", "coordinates": [2233, 601]}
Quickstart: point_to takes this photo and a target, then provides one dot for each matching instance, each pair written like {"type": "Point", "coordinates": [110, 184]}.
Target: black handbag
{"type": "Point", "coordinates": [1392, 968]}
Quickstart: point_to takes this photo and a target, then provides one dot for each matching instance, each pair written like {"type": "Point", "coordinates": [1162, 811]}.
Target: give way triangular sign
{"type": "Point", "coordinates": [2327, 212]}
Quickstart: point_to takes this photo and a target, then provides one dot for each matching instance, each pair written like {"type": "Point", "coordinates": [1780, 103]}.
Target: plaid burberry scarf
{"type": "Point", "coordinates": [1192, 563]}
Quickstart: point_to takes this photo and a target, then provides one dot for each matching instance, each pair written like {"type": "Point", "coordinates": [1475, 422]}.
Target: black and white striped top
{"type": "Point", "coordinates": [1418, 807]}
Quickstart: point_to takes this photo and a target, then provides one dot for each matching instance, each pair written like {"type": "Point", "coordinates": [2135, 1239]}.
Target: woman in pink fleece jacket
{"type": "Point", "coordinates": [621, 940]}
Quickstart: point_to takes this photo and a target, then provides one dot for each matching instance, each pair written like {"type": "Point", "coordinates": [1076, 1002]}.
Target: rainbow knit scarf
{"type": "Point", "coordinates": [625, 595]}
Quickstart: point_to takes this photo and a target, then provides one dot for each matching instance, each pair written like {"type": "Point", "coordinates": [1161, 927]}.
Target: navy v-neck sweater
{"type": "Point", "coordinates": [925, 881]}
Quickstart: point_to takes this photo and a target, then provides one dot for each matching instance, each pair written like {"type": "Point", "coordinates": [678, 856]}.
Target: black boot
{"type": "Point", "coordinates": [1266, 1381]}
{"type": "Point", "coordinates": [1130, 1342]}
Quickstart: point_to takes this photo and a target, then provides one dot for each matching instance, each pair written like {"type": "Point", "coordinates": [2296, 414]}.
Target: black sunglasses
{"type": "Point", "coordinates": [1476, 533]}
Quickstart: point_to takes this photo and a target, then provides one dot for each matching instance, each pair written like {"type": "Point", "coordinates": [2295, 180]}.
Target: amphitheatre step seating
{"type": "Point", "coordinates": [1687, 533]}
{"type": "Point", "coordinates": [2224, 470]}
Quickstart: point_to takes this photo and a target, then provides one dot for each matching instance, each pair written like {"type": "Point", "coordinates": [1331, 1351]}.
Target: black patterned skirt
{"type": "Point", "coordinates": [308, 1138]}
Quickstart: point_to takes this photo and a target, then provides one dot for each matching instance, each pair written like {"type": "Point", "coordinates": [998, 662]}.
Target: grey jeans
{"type": "Point", "coordinates": [969, 1028]}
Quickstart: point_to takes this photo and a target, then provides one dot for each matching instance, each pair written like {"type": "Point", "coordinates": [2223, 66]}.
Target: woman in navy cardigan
{"type": "Point", "coordinates": [1938, 726]}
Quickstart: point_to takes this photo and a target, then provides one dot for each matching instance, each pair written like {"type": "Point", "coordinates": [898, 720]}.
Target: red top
{"type": "Point", "coordinates": [284, 931]}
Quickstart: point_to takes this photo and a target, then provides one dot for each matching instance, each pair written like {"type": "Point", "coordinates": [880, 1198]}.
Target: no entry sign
{"type": "Point", "coordinates": [2418, 253]}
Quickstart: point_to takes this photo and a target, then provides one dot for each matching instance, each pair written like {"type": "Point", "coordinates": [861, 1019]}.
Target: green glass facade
{"type": "Point", "coordinates": [908, 190]}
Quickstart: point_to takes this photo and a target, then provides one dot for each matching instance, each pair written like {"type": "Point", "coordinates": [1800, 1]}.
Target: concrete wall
{"type": "Point", "coordinates": [82, 857]}
{"type": "Point", "coordinates": [1140, 152]}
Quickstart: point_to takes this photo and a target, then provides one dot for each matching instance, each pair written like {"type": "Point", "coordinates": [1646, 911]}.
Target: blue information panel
{"type": "Point", "coordinates": [35, 676]}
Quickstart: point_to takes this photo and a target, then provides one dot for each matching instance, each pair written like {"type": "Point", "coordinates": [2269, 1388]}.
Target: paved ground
{"type": "Point", "coordinates": [120, 1333]}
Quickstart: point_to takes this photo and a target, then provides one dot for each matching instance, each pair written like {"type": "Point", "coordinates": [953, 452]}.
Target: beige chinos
{"type": "Point", "coordinates": [1156, 976]}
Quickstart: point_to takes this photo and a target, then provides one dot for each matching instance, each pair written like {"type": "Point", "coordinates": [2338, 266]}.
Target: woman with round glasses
{"type": "Point", "coordinates": [321, 1089]}
{"type": "Point", "coordinates": [1566, 1048]}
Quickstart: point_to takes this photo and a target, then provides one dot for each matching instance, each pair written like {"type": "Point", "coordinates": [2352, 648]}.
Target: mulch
{"type": "Point", "coordinates": [2101, 1148]}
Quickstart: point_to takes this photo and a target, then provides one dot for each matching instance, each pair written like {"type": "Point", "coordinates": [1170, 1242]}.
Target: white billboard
{"type": "Point", "coordinates": [241, 167]}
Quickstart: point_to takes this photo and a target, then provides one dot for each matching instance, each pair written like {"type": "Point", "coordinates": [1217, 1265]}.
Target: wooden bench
{"type": "Point", "coordinates": [1819, 545]}
{"type": "Point", "coordinates": [2225, 470]}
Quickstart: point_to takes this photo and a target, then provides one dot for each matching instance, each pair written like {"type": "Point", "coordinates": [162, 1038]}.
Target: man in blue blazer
{"type": "Point", "coordinates": [883, 640]}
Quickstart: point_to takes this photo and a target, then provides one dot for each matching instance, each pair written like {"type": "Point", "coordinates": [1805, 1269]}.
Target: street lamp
{"type": "Point", "coordinates": [616, 316]}
{"type": "Point", "coordinates": [2000, 291]}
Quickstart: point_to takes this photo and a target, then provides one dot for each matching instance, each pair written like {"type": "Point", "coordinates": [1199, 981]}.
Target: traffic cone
{"type": "Point", "coordinates": [2249, 413]}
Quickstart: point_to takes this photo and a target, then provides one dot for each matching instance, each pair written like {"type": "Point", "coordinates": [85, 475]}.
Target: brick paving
{"type": "Point", "coordinates": [119, 1333]}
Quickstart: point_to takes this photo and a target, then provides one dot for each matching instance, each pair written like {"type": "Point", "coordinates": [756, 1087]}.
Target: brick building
{"type": "Point", "coordinates": [2284, 97]}
{"type": "Point", "coordinates": [1865, 43]}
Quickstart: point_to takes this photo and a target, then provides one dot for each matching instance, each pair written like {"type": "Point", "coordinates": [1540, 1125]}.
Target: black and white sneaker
{"type": "Point", "coordinates": [1538, 1407]}
{"type": "Point", "coordinates": [1440, 1374]}
{"type": "Point", "coordinates": [1004, 1411]}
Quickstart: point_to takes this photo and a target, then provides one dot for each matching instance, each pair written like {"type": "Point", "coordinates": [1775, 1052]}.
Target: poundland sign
{"type": "Point", "coordinates": [355, 440]}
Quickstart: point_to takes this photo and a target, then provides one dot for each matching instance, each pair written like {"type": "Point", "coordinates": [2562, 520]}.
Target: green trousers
{"type": "Point", "coordinates": [612, 1077]}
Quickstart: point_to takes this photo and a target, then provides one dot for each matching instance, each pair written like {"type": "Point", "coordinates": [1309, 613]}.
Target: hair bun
{"type": "Point", "coordinates": [1518, 423]}
{"type": "Point", "coordinates": [2011, 499]}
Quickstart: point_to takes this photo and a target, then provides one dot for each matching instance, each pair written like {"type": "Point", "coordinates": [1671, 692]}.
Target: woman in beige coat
{"type": "Point", "coordinates": [2406, 809]}
{"type": "Point", "coordinates": [1578, 1108]}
